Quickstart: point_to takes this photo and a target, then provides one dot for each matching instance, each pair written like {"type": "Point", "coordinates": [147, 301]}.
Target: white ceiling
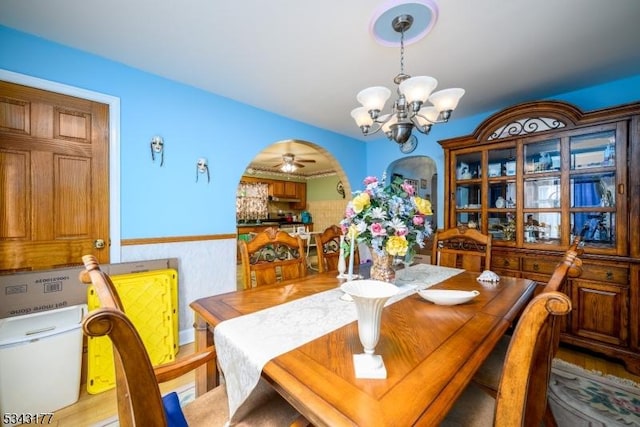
{"type": "Point", "coordinates": [307, 61]}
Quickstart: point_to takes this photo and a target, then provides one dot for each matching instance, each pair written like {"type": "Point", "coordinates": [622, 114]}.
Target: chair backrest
{"type": "Point", "coordinates": [138, 395]}
{"type": "Point", "coordinates": [272, 256]}
{"type": "Point", "coordinates": [328, 247]}
{"type": "Point", "coordinates": [570, 266]}
{"type": "Point", "coordinates": [462, 247]}
{"type": "Point", "coordinates": [522, 393]}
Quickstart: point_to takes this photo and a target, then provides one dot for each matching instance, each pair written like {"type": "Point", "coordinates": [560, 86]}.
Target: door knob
{"type": "Point", "coordinates": [99, 244]}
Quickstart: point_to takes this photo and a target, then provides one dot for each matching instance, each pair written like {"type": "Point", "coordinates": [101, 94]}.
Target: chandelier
{"type": "Point", "coordinates": [410, 109]}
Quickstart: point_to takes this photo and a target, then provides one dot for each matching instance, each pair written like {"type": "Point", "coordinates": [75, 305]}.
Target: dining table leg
{"type": "Point", "coordinates": [207, 375]}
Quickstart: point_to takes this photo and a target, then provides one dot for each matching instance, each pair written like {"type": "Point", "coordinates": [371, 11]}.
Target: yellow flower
{"type": "Point", "coordinates": [397, 246]}
{"type": "Point", "coordinates": [424, 206]}
{"type": "Point", "coordinates": [360, 202]}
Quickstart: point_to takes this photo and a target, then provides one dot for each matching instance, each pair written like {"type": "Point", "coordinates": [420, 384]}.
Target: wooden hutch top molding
{"type": "Point", "coordinates": [540, 116]}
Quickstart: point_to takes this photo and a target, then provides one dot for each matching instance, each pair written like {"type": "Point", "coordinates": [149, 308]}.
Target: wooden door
{"type": "Point", "coordinates": [54, 186]}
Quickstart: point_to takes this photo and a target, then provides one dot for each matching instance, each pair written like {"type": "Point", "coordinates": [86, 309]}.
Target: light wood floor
{"type": "Point", "coordinates": [91, 409]}
{"type": "Point", "coordinates": [95, 408]}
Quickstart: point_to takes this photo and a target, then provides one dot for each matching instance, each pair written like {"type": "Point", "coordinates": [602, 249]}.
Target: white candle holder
{"type": "Point", "coordinates": [342, 263]}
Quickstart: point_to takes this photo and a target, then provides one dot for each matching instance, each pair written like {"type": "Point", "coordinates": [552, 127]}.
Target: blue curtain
{"type": "Point", "coordinates": [585, 194]}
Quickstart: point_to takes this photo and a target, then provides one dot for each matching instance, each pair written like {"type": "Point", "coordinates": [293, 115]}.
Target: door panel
{"type": "Point", "coordinates": [53, 177]}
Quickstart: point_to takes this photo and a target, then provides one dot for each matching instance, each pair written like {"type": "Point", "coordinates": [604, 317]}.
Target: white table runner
{"type": "Point", "coordinates": [246, 343]}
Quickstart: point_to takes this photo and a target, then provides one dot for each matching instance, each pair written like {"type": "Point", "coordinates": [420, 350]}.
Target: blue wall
{"type": "Point", "coordinates": [167, 201]}
{"type": "Point", "coordinates": [158, 202]}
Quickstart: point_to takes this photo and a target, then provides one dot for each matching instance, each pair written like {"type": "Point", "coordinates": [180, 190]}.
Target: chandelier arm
{"type": "Point", "coordinates": [374, 128]}
{"type": "Point", "coordinates": [414, 119]}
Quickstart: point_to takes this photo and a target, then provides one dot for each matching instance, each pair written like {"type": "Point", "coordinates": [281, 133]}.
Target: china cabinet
{"type": "Point", "coordinates": [537, 174]}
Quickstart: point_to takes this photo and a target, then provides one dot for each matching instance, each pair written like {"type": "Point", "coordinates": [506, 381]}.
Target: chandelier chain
{"type": "Point", "coordinates": [402, 52]}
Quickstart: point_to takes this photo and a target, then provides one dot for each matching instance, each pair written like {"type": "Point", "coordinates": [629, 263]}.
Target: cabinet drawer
{"type": "Point", "coordinates": [504, 272]}
{"type": "Point", "coordinates": [539, 265]}
{"type": "Point", "coordinates": [505, 262]}
{"type": "Point", "coordinates": [604, 273]}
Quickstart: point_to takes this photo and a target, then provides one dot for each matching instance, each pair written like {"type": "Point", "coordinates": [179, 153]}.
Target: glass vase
{"type": "Point", "coordinates": [382, 267]}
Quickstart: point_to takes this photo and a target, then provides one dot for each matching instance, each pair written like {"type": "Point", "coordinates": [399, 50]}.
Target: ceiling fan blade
{"type": "Point", "coordinates": [305, 161]}
{"type": "Point", "coordinates": [278, 165]}
{"type": "Point", "coordinates": [298, 165]}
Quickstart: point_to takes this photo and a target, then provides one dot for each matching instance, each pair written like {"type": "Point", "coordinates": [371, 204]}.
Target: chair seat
{"type": "Point", "coordinates": [267, 408]}
{"type": "Point", "coordinates": [474, 408]}
{"type": "Point", "coordinates": [488, 375]}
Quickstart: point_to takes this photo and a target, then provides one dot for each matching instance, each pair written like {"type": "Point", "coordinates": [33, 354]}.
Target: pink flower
{"type": "Point", "coordinates": [407, 188]}
{"type": "Point", "coordinates": [418, 220]}
{"type": "Point", "coordinates": [377, 229]}
{"type": "Point", "coordinates": [370, 180]}
{"type": "Point", "coordinates": [349, 212]}
{"type": "Point", "coordinates": [402, 232]}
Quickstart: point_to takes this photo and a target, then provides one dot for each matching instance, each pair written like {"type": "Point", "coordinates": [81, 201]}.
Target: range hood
{"type": "Point", "coordinates": [283, 199]}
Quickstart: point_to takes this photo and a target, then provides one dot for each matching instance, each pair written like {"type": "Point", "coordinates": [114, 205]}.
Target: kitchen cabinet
{"type": "Point", "coordinates": [301, 195]}
{"type": "Point", "coordinates": [286, 190]}
{"type": "Point", "coordinates": [537, 174]}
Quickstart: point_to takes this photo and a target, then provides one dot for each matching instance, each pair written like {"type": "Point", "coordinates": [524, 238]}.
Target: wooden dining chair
{"type": "Point", "coordinates": [488, 375]}
{"type": "Point", "coordinates": [328, 247]}
{"type": "Point", "coordinates": [272, 256]}
{"type": "Point", "coordinates": [462, 247]}
{"type": "Point", "coordinates": [522, 392]}
{"type": "Point", "coordinates": [138, 395]}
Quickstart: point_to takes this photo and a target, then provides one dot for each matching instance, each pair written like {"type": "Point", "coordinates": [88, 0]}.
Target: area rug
{"type": "Point", "coordinates": [579, 397]}
{"type": "Point", "coordinates": [186, 394]}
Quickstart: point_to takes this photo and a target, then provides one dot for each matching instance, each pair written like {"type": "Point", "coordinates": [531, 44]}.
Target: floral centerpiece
{"type": "Point", "coordinates": [390, 219]}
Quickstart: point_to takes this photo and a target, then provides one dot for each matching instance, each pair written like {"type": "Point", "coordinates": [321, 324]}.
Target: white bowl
{"type": "Point", "coordinates": [447, 297]}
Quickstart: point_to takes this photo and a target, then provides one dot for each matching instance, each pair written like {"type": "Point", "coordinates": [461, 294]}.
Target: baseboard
{"type": "Point", "coordinates": [186, 336]}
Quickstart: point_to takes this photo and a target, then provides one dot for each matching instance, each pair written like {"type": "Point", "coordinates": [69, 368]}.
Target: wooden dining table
{"type": "Point", "coordinates": [430, 351]}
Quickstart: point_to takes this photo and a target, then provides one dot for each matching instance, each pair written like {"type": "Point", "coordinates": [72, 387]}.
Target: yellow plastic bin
{"type": "Point", "coordinates": [40, 360]}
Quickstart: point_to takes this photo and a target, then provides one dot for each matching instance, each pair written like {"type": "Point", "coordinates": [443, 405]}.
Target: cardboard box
{"type": "Point", "coordinates": [33, 292]}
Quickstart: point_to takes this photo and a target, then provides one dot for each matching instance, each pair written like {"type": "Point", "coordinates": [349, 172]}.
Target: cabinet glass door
{"type": "Point", "coordinates": [542, 157]}
{"type": "Point", "coordinates": [502, 209]}
{"type": "Point", "coordinates": [502, 162]}
{"type": "Point", "coordinates": [468, 190]}
{"type": "Point", "coordinates": [593, 187]}
{"type": "Point", "coordinates": [542, 200]}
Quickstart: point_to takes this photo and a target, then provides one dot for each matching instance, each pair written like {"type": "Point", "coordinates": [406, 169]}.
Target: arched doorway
{"type": "Point", "coordinates": [323, 189]}
{"type": "Point", "coordinates": [422, 172]}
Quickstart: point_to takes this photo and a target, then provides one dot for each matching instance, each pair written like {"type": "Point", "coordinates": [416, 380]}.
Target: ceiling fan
{"type": "Point", "coordinates": [290, 159]}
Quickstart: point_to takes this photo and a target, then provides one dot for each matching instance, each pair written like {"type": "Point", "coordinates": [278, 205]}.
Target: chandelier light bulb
{"type": "Point", "coordinates": [362, 117]}
{"type": "Point", "coordinates": [446, 99]}
{"type": "Point", "coordinates": [418, 89]}
{"type": "Point", "coordinates": [386, 126]}
{"type": "Point", "coordinates": [427, 116]}
{"type": "Point", "coordinates": [374, 98]}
